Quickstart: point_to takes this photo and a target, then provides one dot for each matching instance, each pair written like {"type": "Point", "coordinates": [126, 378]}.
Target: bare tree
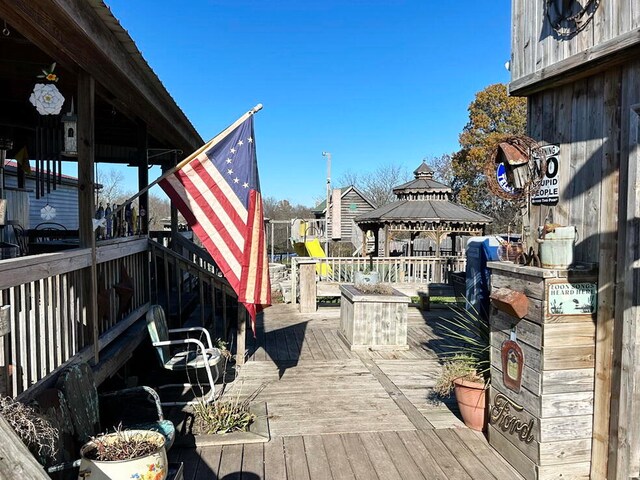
{"type": "Point", "coordinates": [111, 190]}
{"type": "Point", "coordinates": [378, 185]}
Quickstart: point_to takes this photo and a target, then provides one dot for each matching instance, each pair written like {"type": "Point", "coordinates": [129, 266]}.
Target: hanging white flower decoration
{"type": "Point", "coordinates": [48, 212]}
{"type": "Point", "coordinates": [47, 99]}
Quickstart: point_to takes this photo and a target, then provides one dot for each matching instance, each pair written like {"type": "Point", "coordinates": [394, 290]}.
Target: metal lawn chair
{"type": "Point", "coordinates": [191, 360]}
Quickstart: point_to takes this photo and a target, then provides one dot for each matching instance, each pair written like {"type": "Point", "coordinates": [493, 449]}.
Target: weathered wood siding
{"type": "Point", "coordinates": [594, 120]}
{"type": "Point", "coordinates": [536, 47]}
{"type": "Point", "coordinates": [352, 205]}
{"type": "Point", "coordinates": [557, 381]}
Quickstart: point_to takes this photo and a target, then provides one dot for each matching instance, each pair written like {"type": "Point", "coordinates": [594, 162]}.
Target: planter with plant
{"type": "Point", "coordinates": [466, 367]}
{"type": "Point", "coordinates": [137, 454]}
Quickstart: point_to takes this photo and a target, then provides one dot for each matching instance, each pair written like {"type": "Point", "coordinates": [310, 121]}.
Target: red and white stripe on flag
{"type": "Point", "coordinates": [230, 231]}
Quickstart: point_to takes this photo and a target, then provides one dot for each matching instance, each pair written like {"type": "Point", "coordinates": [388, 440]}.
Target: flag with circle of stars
{"type": "Point", "coordinates": [218, 193]}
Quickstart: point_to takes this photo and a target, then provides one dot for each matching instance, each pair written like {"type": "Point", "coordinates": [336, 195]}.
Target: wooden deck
{"type": "Point", "coordinates": [337, 414]}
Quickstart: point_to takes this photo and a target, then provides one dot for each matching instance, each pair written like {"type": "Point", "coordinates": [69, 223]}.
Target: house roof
{"type": "Point", "coordinates": [322, 206]}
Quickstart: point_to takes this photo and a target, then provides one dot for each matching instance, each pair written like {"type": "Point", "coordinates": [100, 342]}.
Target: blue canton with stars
{"type": "Point", "coordinates": [235, 159]}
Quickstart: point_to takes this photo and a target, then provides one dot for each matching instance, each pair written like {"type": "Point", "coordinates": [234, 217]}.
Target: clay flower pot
{"type": "Point", "coordinates": [471, 402]}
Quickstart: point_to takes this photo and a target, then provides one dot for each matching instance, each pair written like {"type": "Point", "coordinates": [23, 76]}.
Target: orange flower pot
{"type": "Point", "coordinates": [472, 403]}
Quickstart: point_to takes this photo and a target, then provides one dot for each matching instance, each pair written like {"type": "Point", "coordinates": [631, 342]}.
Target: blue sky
{"type": "Point", "coordinates": [374, 82]}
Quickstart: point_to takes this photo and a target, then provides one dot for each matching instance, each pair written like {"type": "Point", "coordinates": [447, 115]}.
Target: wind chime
{"type": "Point", "coordinates": [48, 101]}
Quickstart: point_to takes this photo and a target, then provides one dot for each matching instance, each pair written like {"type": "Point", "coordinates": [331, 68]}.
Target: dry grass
{"type": "Point", "coordinates": [35, 431]}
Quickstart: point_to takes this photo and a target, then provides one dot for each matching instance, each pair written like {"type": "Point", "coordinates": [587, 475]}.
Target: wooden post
{"type": "Point", "coordinates": [241, 347]}
{"type": "Point", "coordinates": [86, 199]}
{"type": "Point", "coordinates": [307, 269]}
{"type": "Point", "coordinates": [386, 240]}
{"type": "Point", "coordinates": [143, 178]}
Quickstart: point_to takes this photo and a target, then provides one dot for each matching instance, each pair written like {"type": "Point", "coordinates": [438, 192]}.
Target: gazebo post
{"type": "Point", "coordinates": [412, 237]}
{"type": "Point", "coordinates": [438, 276]}
{"type": "Point", "coordinates": [386, 240]}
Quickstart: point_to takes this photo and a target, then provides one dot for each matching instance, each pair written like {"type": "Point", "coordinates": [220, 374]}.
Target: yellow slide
{"type": "Point", "coordinates": [314, 249]}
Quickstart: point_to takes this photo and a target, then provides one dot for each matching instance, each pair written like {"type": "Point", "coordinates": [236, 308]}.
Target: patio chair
{"type": "Point", "coordinates": [204, 357]}
{"type": "Point", "coordinates": [21, 237]}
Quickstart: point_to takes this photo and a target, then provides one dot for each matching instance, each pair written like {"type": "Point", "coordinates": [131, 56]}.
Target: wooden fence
{"type": "Point", "coordinates": [397, 270]}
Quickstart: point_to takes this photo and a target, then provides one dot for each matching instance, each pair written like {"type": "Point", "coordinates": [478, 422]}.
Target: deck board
{"type": "Point", "coordinates": [337, 414]}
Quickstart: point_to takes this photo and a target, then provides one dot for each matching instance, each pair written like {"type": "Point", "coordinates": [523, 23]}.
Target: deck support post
{"type": "Point", "coordinates": [86, 198]}
{"type": "Point", "coordinates": [307, 268]}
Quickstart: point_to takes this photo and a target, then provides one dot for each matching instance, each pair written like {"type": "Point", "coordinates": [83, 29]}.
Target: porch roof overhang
{"type": "Point", "coordinates": [85, 36]}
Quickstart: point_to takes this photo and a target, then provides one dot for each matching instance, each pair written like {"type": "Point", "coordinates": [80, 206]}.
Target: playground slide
{"type": "Point", "coordinates": [314, 249]}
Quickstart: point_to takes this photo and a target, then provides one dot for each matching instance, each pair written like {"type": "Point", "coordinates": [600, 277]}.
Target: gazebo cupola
{"type": "Point", "coordinates": [423, 187]}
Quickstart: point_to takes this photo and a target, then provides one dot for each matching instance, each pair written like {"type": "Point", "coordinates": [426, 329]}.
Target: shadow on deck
{"type": "Point", "coordinates": [334, 413]}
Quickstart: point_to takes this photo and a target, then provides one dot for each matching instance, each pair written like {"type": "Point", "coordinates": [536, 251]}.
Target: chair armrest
{"type": "Point", "coordinates": [149, 393]}
{"type": "Point", "coordinates": [194, 329]}
{"type": "Point", "coordinates": [183, 341]}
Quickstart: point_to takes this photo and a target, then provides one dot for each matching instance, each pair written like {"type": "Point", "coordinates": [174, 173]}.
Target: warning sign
{"type": "Point", "coordinates": [549, 192]}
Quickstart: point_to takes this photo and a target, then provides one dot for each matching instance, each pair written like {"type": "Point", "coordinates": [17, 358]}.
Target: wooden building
{"type": "Point", "coordinates": [345, 205]}
{"type": "Point", "coordinates": [578, 64]}
{"type": "Point", "coordinates": [88, 303]}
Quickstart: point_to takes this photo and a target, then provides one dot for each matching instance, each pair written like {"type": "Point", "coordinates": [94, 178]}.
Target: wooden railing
{"type": "Point", "coordinates": [190, 270]}
{"type": "Point", "coordinates": [44, 300]}
{"type": "Point", "coordinates": [398, 270]}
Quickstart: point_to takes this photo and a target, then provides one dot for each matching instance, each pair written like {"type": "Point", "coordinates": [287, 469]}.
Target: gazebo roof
{"type": "Point", "coordinates": [423, 211]}
{"type": "Point", "coordinates": [423, 201]}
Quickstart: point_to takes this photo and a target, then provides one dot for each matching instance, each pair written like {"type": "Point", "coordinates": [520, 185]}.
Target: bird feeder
{"type": "Point", "coordinates": [70, 122]}
{"type": "Point", "coordinates": [515, 161]}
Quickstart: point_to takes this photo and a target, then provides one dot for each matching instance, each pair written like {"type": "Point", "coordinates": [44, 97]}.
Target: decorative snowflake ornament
{"type": "Point", "coordinates": [48, 212]}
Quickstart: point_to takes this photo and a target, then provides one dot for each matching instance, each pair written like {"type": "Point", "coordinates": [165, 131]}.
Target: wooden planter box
{"type": "Point", "coordinates": [373, 321]}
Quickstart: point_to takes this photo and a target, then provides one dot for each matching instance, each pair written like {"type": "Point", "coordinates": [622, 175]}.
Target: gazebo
{"type": "Point", "coordinates": [423, 205]}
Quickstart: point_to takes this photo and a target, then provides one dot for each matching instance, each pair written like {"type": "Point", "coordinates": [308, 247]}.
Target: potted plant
{"type": "Point", "coordinates": [467, 363]}
{"type": "Point", "coordinates": [367, 276]}
{"type": "Point", "coordinates": [137, 454]}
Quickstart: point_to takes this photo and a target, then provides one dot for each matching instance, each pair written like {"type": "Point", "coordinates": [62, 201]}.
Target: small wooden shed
{"type": "Point", "coordinates": [578, 64]}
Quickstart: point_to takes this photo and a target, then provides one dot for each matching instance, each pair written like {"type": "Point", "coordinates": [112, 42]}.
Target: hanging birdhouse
{"type": "Point", "coordinates": [70, 122]}
{"type": "Point", "coordinates": [516, 164]}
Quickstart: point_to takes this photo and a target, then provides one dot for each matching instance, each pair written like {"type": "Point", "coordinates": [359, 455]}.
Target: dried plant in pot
{"type": "Point", "coordinates": [32, 428]}
{"type": "Point", "coordinates": [139, 454]}
{"type": "Point", "coordinates": [467, 364]}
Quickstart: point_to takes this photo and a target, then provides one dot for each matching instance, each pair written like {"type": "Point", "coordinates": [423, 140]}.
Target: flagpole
{"type": "Point", "coordinates": [210, 144]}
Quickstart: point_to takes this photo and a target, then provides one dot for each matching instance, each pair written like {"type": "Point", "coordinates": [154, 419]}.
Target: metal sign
{"type": "Point", "coordinates": [572, 298]}
{"type": "Point", "coordinates": [3, 211]}
{"type": "Point", "coordinates": [503, 417]}
{"type": "Point", "coordinates": [549, 192]}
{"type": "Point", "coordinates": [503, 181]}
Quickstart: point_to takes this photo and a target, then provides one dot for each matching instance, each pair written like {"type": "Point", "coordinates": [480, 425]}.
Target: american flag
{"type": "Point", "coordinates": [218, 193]}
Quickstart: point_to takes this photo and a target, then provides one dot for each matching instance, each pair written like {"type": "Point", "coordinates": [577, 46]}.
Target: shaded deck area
{"type": "Point", "coordinates": [336, 414]}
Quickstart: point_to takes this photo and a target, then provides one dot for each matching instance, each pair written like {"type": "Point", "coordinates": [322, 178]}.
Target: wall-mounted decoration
{"type": "Point", "coordinates": [512, 364]}
{"type": "Point", "coordinates": [48, 212]}
{"type": "Point", "coordinates": [549, 192]}
{"type": "Point", "coordinates": [514, 169]}
{"type": "Point", "coordinates": [501, 416]}
{"type": "Point", "coordinates": [570, 17]}
{"type": "Point", "coordinates": [572, 298]}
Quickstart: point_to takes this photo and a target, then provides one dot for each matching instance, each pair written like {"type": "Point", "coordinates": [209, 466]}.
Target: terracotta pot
{"type": "Point", "coordinates": [472, 403]}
